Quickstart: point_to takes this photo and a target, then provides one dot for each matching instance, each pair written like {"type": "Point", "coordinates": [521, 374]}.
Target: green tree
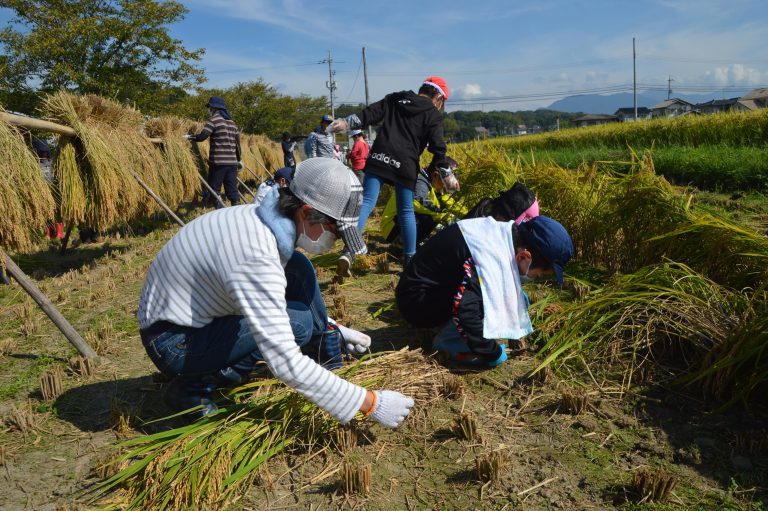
{"type": "Point", "coordinates": [116, 48]}
{"type": "Point", "coordinates": [257, 107]}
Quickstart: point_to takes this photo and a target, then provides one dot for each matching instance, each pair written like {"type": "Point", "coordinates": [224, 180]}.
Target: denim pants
{"type": "Point", "coordinates": [226, 174]}
{"type": "Point", "coordinates": [225, 348]}
{"type": "Point", "coordinates": [406, 217]}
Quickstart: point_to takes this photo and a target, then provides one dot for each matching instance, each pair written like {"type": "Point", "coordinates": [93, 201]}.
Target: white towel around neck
{"type": "Point", "coordinates": [490, 242]}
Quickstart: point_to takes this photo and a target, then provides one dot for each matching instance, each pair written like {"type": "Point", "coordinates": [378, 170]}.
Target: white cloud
{"type": "Point", "coordinates": [470, 90]}
{"type": "Point", "coordinates": [736, 74]}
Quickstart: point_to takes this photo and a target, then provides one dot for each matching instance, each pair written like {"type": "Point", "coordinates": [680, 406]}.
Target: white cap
{"type": "Point", "coordinates": [355, 133]}
{"type": "Point", "coordinates": [326, 184]}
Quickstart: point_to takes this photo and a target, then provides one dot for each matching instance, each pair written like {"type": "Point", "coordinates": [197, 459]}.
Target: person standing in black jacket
{"type": "Point", "coordinates": [410, 122]}
{"type": "Point", "coordinates": [462, 279]}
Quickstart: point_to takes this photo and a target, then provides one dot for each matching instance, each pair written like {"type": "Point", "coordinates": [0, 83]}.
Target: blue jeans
{"type": "Point", "coordinates": [226, 349]}
{"type": "Point", "coordinates": [406, 218]}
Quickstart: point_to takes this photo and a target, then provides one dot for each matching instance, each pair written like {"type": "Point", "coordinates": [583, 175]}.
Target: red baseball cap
{"type": "Point", "coordinates": [439, 84]}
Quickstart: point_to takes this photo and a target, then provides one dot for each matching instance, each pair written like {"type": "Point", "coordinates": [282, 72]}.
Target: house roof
{"type": "Point", "coordinates": [670, 102]}
{"type": "Point", "coordinates": [749, 104]}
{"type": "Point", "coordinates": [718, 102]}
{"type": "Point", "coordinates": [630, 110]}
{"type": "Point", "coordinates": [760, 93]}
{"type": "Point", "coordinates": [481, 129]}
{"type": "Point", "coordinates": [596, 117]}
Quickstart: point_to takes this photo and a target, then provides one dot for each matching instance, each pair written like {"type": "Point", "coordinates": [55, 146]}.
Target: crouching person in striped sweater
{"type": "Point", "coordinates": [229, 290]}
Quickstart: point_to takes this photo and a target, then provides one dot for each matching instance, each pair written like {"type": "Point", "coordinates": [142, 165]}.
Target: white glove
{"type": "Point", "coordinates": [339, 125]}
{"type": "Point", "coordinates": [450, 183]}
{"type": "Point", "coordinates": [391, 408]}
{"type": "Point", "coordinates": [240, 165]}
{"type": "Point", "coordinates": [189, 137]}
{"type": "Point", "coordinates": [357, 342]}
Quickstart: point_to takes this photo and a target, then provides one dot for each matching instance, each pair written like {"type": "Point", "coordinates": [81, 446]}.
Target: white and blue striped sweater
{"type": "Point", "coordinates": [226, 263]}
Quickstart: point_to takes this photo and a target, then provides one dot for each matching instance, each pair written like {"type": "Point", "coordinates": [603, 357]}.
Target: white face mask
{"type": "Point", "coordinates": [319, 246]}
{"type": "Point", "coordinates": [525, 279]}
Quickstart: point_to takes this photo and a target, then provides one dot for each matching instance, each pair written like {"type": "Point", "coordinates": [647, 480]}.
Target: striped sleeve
{"type": "Point", "coordinates": [258, 289]}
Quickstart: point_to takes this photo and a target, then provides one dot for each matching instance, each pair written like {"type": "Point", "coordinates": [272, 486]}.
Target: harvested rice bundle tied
{"type": "Point", "coordinates": [209, 463]}
{"type": "Point", "coordinates": [112, 193]}
{"type": "Point", "coordinates": [69, 181]}
{"type": "Point", "coordinates": [26, 201]}
{"type": "Point", "coordinates": [180, 171]}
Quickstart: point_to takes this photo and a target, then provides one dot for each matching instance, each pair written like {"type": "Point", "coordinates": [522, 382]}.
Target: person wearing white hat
{"type": "Point", "coordinates": [230, 290]}
{"type": "Point", "coordinates": [358, 154]}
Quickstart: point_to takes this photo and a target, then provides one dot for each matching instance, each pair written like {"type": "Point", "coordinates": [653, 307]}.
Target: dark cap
{"type": "Point", "coordinates": [550, 239]}
{"type": "Point", "coordinates": [284, 173]}
{"type": "Point", "coordinates": [216, 102]}
{"type": "Point", "coordinates": [326, 118]}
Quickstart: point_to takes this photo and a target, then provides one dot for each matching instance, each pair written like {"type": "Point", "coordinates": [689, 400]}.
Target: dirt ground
{"type": "Point", "coordinates": [551, 458]}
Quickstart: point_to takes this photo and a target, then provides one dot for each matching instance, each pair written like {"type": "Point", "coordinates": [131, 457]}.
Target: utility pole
{"type": "Point", "coordinates": [365, 78]}
{"type": "Point", "coordinates": [669, 88]}
{"type": "Point", "coordinates": [634, 77]}
{"type": "Point", "coordinates": [331, 83]}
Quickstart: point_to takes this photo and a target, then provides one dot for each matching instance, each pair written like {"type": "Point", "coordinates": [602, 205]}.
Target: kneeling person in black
{"type": "Point", "coordinates": [461, 278]}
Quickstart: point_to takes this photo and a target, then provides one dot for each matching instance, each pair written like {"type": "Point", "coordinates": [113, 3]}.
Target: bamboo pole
{"type": "Point", "coordinates": [49, 308]}
{"type": "Point", "coordinates": [215, 194]}
{"type": "Point", "coordinates": [39, 124]}
{"type": "Point", "coordinates": [246, 187]}
{"type": "Point", "coordinates": [158, 199]}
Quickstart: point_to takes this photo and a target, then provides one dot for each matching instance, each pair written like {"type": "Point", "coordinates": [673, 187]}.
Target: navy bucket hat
{"type": "Point", "coordinates": [550, 239]}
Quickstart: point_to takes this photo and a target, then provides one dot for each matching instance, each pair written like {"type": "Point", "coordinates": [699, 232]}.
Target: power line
{"type": "Point", "coordinates": [357, 75]}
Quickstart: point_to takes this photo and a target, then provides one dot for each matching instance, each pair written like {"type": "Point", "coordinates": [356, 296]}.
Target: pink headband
{"type": "Point", "coordinates": [531, 212]}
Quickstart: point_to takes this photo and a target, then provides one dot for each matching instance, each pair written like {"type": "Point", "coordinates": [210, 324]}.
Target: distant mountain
{"type": "Point", "coordinates": [608, 104]}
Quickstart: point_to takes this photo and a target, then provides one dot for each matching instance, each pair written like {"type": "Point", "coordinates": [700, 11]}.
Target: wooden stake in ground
{"type": "Point", "coordinates": [210, 190]}
{"type": "Point", "coordinates": [48, 307]}
{"type": "Point", "coordinates": [246, 187]}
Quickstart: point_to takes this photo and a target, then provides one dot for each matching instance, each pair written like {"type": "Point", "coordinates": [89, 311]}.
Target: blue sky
{"type": "Point", "coordinates": [494, 54]}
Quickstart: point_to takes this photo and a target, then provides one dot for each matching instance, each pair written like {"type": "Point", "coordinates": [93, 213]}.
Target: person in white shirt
{"type": "Point", "coordinates": [229, 290]}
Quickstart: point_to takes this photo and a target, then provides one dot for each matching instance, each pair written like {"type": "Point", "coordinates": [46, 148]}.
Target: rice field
{"type": "Point", "coordinates": [642, 386]}
{"type": "Point", "coordinates": [722, 152]}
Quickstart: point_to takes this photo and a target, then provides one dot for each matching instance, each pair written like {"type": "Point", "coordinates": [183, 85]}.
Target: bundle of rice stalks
{"type": "Point", "coordinates": [180, 169]}
{"type": "Point", "coordinates": [271, 154]}
{"type": "Point", "coordinates": [211, 462]}
{"type": "Point", "coordinates": [249, 146]}
{"type": "Point", "coordinates": [112, 192]}
{"type": "Point", "coordinates": [738, 368]}
{"type": "Point", "coordinates": [483, 171]}
{"type": "Point", "coordinates": [668, 317]}
{"type": "Point", "coordinates": [72, 194]}
{"type": "Point", "coordinates": [26, 201]}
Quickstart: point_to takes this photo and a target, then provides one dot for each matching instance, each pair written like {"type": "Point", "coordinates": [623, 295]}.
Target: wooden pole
{"type": "Point", "coordinates": [158, 200]}
{"type": "Point", "coordinates": [65, 241]}
{"type": "Point", "coordinates": [49, 308]}
{"type": "Point", "coordinates": [39, 124]}
{"type": "Point", "coordinates": [246, 187]}
{"type": "Point", "coordinates": [256, 176]}
{"type": "Point", "coordinates": [215, 194]}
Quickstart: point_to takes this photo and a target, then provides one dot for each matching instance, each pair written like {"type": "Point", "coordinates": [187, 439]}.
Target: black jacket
{"type": "Point", "coordinates": [410, 123]}
{"type": "Point", "coordinates": [429, 284]}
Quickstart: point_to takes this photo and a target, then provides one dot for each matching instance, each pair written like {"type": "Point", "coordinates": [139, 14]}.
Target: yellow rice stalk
{"type": "Point", "coordinates": [211, 462]}
{"type": "Point", "coordinates": [112, 193]}
{"type": "Point", "coordinates": [26, 201]}
{"type": "Point", "coordinates": [69, 181]}
{"type": "Point", "coordinates": [180, 168]}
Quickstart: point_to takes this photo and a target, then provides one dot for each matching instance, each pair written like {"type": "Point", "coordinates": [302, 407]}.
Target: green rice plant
{"type": "Point", "coordinates": [210, 462]}
{"type": "Point", "coordinates": [665, 317]}
{"type": "Point", "coordinates": [26, 201]}
{"type": "Point", "coordinates": [733, 129]}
